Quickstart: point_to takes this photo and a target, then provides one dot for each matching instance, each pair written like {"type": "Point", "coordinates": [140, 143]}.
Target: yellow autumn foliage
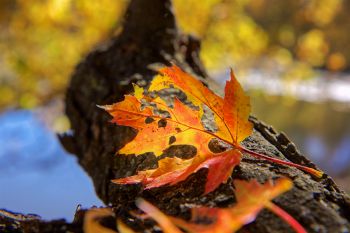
{"type": "Point", "coordinates": [42, 40]}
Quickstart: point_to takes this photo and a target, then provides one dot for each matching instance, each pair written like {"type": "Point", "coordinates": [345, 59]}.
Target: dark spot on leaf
{"type": "Point", "coordinates": [217, 146]}
{"type": "Point", "coordinates": [149, 120]}
{"type": "Point", "coordinates": [181, 151]}
{"type": "Point", "coordinates": [172, 139]}
{"type": "Point", "coordinates": [162, 123]}
{"type": "Point", "coordinates": [178, 130]}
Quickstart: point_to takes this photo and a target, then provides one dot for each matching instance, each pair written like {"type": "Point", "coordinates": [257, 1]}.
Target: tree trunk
{"type": "Point", "coordinates": [150, 39]}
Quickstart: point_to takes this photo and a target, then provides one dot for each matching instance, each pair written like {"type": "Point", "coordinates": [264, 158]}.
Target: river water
{"type": "Point", "coordinates": [36, 174]}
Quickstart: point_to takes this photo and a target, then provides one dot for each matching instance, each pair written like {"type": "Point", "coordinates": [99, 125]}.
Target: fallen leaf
{"type": "Point", "coordinates": [251, 197]}
{"type": "Point", "coordinates": [183, 126]}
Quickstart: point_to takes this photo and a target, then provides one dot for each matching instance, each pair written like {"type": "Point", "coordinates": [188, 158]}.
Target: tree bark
{"type": "Point", "coordinates": [150, 39]}
{"type": "Point", "coordinates": [106, 76]}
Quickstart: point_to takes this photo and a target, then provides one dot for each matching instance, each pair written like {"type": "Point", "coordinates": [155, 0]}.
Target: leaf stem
{"type": "Point", "coordinates": [286, 217]}
{"type": "Point", "coordinates": [310, 170]}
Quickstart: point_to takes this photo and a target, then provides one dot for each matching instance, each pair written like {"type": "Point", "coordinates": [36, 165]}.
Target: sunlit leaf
{"type": "Point", "coordinates": [183, 126]}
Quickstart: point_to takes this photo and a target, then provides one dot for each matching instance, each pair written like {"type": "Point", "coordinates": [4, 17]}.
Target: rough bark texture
{"type": "Point", "coordinates": [149, 39]}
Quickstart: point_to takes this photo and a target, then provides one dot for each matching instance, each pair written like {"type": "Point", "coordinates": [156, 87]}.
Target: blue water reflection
{"type": "Point", "coordinates": [36, 174]}
{"type": "Point", "coordinates": [334, 160]}
{"type": "Point", "coordinates": [340, 159]}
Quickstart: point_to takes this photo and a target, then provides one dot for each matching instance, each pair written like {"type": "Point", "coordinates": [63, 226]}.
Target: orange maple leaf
{"type": "Point", "coordinates": [251, 196]}
{"type": "Point", "coordinates": [156, 132]}
{"type": "Point", "coordinates": [183, 125]}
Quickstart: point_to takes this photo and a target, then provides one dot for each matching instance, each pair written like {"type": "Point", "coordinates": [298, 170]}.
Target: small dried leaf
{"type": "Point", "coordinates": [92, 220]}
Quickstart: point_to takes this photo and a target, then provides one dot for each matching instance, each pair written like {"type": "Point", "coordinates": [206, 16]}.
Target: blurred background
{"type": "Point", "coordinates": [293, 57]}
